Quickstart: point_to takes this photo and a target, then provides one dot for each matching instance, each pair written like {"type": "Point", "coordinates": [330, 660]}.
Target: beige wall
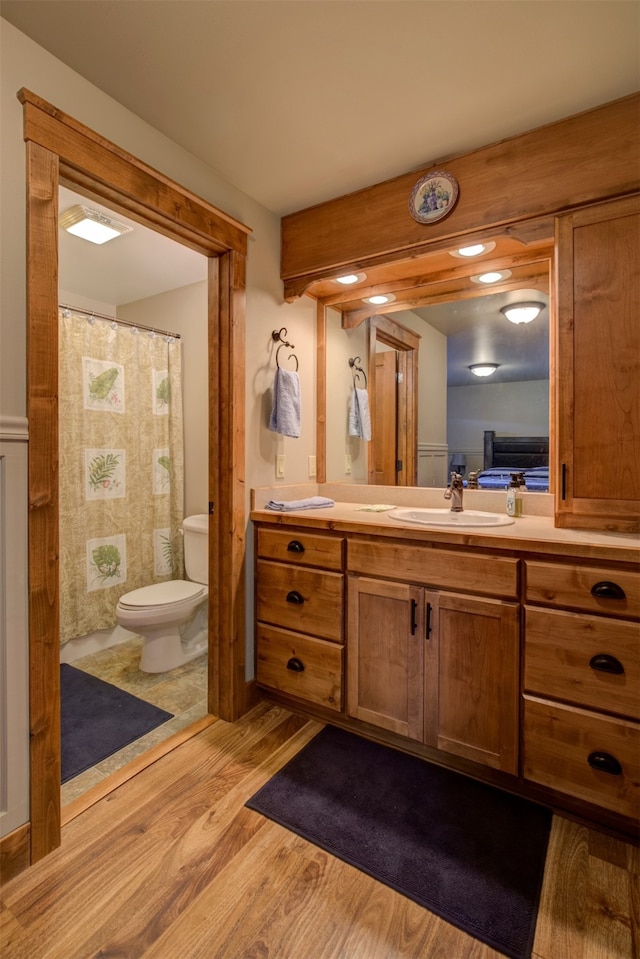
{"type": "Point", "coordinates": [25, 64]}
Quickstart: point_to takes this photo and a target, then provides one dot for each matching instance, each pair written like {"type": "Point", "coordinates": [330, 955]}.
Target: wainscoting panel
{"type": "Point", "coordinates": [14, 640]}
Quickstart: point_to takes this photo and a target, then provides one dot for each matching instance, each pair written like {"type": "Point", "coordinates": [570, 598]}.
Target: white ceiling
{"type": "Point", "coordinates": [299, 101]}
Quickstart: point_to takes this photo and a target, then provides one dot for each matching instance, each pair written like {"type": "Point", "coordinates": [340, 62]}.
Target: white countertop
{"type": "Point", "coordinates": [527, 533]}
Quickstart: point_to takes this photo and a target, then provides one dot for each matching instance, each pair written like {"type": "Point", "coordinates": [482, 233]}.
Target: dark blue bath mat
{"type": "Point", "coordinates": [97, 719]}
{"type": "Point", "coordinates": [472, 854]}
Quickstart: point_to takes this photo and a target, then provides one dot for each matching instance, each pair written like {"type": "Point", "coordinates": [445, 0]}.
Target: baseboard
{"type": "Point", "coordinates": [15, 852]}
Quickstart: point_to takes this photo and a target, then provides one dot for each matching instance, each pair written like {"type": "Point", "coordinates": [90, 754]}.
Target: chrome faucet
{"type": "Point", "coordinates": [454, 493]}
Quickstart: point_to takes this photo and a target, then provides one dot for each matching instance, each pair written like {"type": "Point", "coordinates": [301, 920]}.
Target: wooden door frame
{"type": "Point", "coordinates": [406, 343]}
{"type": "Point", "coordinates": [57, 146]}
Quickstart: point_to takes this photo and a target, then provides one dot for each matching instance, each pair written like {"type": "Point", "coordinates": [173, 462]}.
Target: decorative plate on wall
{"type": "Point", "coordinates": [433, 197]}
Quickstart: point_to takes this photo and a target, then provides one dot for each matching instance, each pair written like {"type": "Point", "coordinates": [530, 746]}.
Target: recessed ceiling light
{"type": "Point", "coordinates": [483, 369]}
{"type": "Point", "coordinates": [474, 250]}
{"type": "Point", "coordinates": [522, 312]}
{"type": "Point", "coordinates": [380, 299]}
{"type": "Point", "coordinates": [351, 278]}
{"type": "Point", "coordinates": [92, 225]}
{"type": "Point", "coordinates": [492, 277]}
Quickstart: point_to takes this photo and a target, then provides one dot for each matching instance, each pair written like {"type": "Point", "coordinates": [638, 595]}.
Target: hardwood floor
{"type": "Point", "coordinates": [171, 865]}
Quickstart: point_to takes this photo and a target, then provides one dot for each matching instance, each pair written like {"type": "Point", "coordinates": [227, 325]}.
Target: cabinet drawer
{"type": "Point", "coordinates": [307, 600]}
{"type": "Point", "coordinates": [559, 742]}
{"type": "Point", "coordinates": [589, 660]}
{"type": "Point", "coordinates": [280, 656]}
{"type": "Point", "coordinates": [584, 587]}
{"type": "Point", "coordinates": [446, 569]}
{"type": "Point", "coordinates": [303, 549]}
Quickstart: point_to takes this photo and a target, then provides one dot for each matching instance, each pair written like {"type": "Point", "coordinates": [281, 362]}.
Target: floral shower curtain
{"type": "Point", "coordinates": [121, 466]}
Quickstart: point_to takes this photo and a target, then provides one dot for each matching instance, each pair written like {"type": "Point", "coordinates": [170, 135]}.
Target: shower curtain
{"type": "Point", "coordinates": [121, 466]}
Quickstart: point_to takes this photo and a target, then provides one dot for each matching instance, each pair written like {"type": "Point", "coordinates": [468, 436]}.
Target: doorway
{"type": "Point", "coordinates": [393, 374]}
{"type": "Point", "coordinates": [57, 146]}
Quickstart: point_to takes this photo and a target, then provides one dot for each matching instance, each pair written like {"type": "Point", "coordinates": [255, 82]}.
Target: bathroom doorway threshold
{"type": "Point", "coordinates": [93, 795]}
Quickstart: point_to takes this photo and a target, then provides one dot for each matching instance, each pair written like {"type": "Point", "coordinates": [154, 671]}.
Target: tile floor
{"type": "Point", "coordinates": [182, 691]}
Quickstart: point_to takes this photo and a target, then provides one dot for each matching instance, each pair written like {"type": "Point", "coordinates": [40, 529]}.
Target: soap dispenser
{"type": "Point", "coordinates": [514, 497]}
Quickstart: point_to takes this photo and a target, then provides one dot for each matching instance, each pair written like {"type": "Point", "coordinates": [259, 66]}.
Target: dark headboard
{"type": "Point", "coordinates": [519, 452]}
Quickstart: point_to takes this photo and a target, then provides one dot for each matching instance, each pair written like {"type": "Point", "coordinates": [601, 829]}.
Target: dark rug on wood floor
{"type": "Point", "coordinates": [472, 854]}
{"type": "Point", "coordinates": [97, 719]}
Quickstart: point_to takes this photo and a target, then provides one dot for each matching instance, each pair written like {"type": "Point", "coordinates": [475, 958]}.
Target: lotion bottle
{"type": "Point", "coordinates": [514, 497]}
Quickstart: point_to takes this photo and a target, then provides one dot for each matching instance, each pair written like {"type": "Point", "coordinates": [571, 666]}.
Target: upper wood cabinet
{"type": "Point", "coordinates": [598, 366]}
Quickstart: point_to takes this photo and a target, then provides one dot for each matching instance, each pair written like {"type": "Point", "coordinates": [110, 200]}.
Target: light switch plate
{"type": "Point", "coordinates": [280, 466]}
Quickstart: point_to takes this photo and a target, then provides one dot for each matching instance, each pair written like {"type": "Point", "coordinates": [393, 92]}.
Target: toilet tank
{"type": "Point", "coordinates": [196, 547]}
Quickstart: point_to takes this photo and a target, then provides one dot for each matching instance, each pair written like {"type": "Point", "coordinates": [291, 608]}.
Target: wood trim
{"type": "Point", "coordinates": [82, 149]}
{"type": "Point", "coordinates": [321, 393]}
{"type": "Point", "coordinates": [43, 564]}
{"type": "Point", "coordinates": [111, 172]}
{"type": "Point", "coordinates": [406, 342]}
{"type": "Point", "coordinates": [572, 167]}
{"type": "Point", "coordinates": [227, 463]}
{"type": "Point", "coordinates": [15, 853]}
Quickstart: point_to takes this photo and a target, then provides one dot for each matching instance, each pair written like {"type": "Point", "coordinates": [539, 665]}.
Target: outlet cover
{"type": "Point", "coordinates": [312, 466]}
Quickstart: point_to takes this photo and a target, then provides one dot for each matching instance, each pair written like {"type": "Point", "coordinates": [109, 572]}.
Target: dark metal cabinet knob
{"type": "Point", "coordinates": [603, 663]}
{"type": "Point", "coordinates": [295, 597]}
{"type": "Point", "coordinates": [605, 763]}
{"type": "Point", "coordinates": [296, 665]}
{"type": "Point", "coordinates": [607, 590]}
{"type": "Point", "coordinates": [295, 546]}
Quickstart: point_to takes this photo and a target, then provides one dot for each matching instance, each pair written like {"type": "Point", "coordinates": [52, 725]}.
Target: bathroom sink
{"type": "Point", "coordinates": [444, 517]}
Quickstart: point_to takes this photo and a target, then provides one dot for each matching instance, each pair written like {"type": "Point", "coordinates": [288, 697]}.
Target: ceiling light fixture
{"type": "Point", "coordinates": [380, 299]}
{"type": "Point", "coordinates": [351, 278]}
{"type": "Point", "coordinates": [474, 249]}
{"type": "Point", "coordinates": [494, 276]}
{"type": "Point", "coordinates": [92, 225]}
{"type": "Point", "coordinates": [483, 369]}
{"type": "Point", "coordinates": [522, 312]}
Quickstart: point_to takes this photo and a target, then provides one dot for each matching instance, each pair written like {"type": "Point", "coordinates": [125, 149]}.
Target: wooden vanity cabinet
{"type": "Point", "coordinates": [436, 666]}
{"type": "Point", "coordinates": [582, 683]}
{"type": "Point", "coordinates": [300, 616]}
{"type": "Point", "coordinates": [598, 366]}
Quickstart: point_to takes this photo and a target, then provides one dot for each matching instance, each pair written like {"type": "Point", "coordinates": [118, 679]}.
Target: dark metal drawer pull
{"type": "Point", "coordinates": [295, 546]}
{"type": "Point", "coordinates": [607, 590]}
{"type": "Point", "coordinates": [604, 663]}
{"type": "Point", "coordinates": [296, 665]}
{"type": "Point", "coordinates": [429, 627]}
{"type": "Point", "coordinates": [295, 597]}
{"type": "Point", "coordinates": [414, 622]}
{"type": "Point", "coordinates": [605, 763]}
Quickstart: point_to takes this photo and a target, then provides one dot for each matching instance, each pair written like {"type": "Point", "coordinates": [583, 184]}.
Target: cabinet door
{"type": "Point", "coordinates": [471, 678]}
{"type": "Point", "coordinates": [385, 655]}
{"type": "Point", "coordinates": [598, 366]}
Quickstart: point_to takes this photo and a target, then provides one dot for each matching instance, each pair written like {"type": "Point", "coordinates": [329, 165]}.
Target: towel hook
{"type": "Point", "coordinates": [357, 370]}
{"type": "Point", "coordinates": [278, 336]}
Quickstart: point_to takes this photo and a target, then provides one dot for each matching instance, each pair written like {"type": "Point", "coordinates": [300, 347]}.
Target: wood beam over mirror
{"type": "Point", "coordinates": [509, 191]}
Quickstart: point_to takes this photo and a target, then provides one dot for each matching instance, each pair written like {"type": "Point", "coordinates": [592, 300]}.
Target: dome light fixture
{"type": "Point", "coordinates": [380, 299]}
{"type": "Point", "coordinates": [474, 249]}
{"type": "Point", "coordinates": [484, 369]}
{"type": "Point", "coordinates": [522, 312]}
{"type": "Point", "coordinates": [351, 278]}
{"type": "Point", "coordinates": [493, 276]}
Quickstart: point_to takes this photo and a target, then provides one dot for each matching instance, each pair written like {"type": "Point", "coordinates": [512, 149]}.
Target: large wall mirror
{"type": "Point", "coordinates": [417, 362]}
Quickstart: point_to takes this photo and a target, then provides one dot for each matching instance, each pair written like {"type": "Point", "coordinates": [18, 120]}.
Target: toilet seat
{"type": "Point", "coordinates": [158, 596]}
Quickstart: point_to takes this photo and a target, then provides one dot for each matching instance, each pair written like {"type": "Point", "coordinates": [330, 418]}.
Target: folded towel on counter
{"type": "Point", "coordinates": [313, 502]}
{"type": "Point", "coordinates": [359, 415]}
{"type": "Point", "coordinates": [285, 413]}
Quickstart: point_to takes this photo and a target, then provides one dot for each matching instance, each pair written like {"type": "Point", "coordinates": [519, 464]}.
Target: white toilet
{"type": "Point", "coordinates": [171, 617]}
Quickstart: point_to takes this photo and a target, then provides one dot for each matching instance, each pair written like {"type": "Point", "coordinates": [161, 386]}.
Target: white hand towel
{"type": "Point", "coordinates": [285, 413]}
{"type": "Point", "coordinates": [359, 415]}
{"type": "Point", "coordinates": [312, 502]}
